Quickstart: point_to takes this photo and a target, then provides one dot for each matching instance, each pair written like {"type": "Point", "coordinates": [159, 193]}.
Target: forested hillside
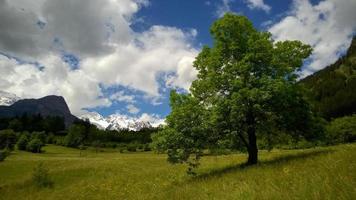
{"type": "Point", "coordinates": [333, 89]}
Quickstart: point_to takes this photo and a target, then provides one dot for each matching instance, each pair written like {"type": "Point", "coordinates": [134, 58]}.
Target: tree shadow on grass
{"type": "Point", "coordinates": [278, 160]}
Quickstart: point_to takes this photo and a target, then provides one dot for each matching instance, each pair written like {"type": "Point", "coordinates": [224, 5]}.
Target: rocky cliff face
{"type": "Point", "coordinates": [46, 106]}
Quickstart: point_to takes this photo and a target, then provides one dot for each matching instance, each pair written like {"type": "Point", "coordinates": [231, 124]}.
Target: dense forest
{"type": "Point", "coordinates": [332, 90]}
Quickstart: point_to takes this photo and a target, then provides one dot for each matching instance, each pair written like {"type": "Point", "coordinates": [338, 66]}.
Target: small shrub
{"type": "Point", "coordinates": [3, 154]}
{"type": "Point", "coordinates": [22, 142]}
{"type": "Point", "coordinates": [140, 147]}
{"type": "Point", "coordinates": [111, 145]}
{"type": "Point", "coordinates": [75, 136]}
{"type": "Point", "coordinates": [50, 138]}
{"type": "Point", "coordinates": [147, 147]}
{"type": "Point", "coordinates": [7, 139]}
{"type": "Point", "coordinates": [121, 147]}
{"type": "Point", "coordinates": [39, 135]}
{"type": "Point", "coordinates": [131, 147]}
{"type": "Point", "coordinates": [341, 130]}
{"type": "Point", "coordinates": [59, 141]}
{"type": "Point", "coordinates": [35, 146]}
{"type": "Point", "coordinates": [40, 176]}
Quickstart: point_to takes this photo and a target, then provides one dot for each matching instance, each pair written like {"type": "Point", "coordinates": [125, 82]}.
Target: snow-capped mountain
{"type": "Point", "coordinates": [96, 119]}
{"type": "Point", "coordinates": [119, 122]}
{"type": "Point", "coordinates": [7, 99]}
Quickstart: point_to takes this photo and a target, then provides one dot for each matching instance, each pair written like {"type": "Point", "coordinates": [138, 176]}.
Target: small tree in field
{"type": "Point", "coordinates": [246, 85]}
{"type": "Point", "coordinates": [23, 141]}
{"type": "Point", "coordinates": [40, 176]}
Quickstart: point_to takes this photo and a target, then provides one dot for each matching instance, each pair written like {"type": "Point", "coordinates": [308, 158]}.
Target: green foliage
{"type": "Point", "coordinates": [342, 130]}
{"type": "Point", "coordinates": [23, 141]}
{"type": "Point", "coordinates": [82, 132]}
{"type": "Point", "coordinates": [33, 123]}
{"type": "Point", "coordinates": [7, 139]}
{"type": "Point", "coordinates": [40, 176]}
{"type": "Point", "coordinates": [40, 136]}
{"type": "Point", "coordinates": [146, 147]}
{"type": "Point", "coordinates": [75, 136]}
{"type": "Point", "coordinates": [35, 145]}
{"type": "Point", "coordinates": [186, 134]}
{"type": "Point", "coordinates": [132, 147]}
{"type": "Point", "coordinates": [246, 86]}
{"type": "Point", "coordinates": [3, 154]}
{"type": "Point", "coordinates": [15, 124]}
{"type": "Point", "coordinates": [50, 138]}
{"type": "Point", "coordinates": [59, 140]}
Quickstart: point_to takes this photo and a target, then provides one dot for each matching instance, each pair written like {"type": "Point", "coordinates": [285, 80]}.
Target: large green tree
{"type": "Point", "coordinates": [246, 85]}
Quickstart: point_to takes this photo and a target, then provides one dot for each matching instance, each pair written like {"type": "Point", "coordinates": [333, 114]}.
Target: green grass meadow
{"type": "Point", "coordinates": [319, 173]}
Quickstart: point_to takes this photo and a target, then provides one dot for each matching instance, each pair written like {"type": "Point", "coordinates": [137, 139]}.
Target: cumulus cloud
{"type": "Point", "coordinates": [258, 4]}
{"type": "Point", "coordinates": [122, 97]}
{"type": "Point", "coordinates": [138, 64]}
{"type": "Point", "coordinates": [98, 34]}
{"type": "Point", "coordinates": [31, 81]}
{"type": "Point", "coordinates": [184, 76]}
{"type": "Point", "coordinates": [132, 109]}
{"type": "Point", "coordinates": [327, 26]}
{"type": "Point", "coordinates": [223, 7]}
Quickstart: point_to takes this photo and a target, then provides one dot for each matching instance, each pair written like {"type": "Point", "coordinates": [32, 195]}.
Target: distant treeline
{"type": "Point", "coordinates": [33, 132]}
{"type": "Point", "coordinates": [33, 123]}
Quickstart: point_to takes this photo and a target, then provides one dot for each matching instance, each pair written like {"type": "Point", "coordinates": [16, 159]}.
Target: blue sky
{"type": "Point", "coordinates": [124, 56]}
{"type": "Point", "coordinates": [185, 15]}
{"type": "Point", "coordinates": [200, 14]}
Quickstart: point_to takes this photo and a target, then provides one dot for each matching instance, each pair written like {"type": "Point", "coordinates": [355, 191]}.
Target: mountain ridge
{"type": "Point", "coordinates": [332, 90]}
{"type": "Point", "coordinates": [51, 105]}
{"type": "Point", "coordinates": [120, 122]}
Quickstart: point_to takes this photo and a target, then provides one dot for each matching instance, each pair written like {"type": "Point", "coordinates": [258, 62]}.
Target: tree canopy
{"type": "Point", "coordinates": [246, 85]}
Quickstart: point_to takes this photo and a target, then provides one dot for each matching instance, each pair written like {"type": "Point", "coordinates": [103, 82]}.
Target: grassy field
{"type": "Point", "coordinates": [320, 173]}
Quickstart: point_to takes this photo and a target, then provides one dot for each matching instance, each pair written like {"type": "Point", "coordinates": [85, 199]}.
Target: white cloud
{"type": "Point", "coordinates": [184, 76]}
{"type": "Point", "coordinates": [132, 109]}
{"type": "Point", "coordinates": [159, 49]}
{"type": "Point", "coordinates": [99, 34]}
{"type": "Point", "coordinates": [258, 4]}
{"type": "Point", "coordinates": [223, 7]}
{"type": "Point", "coordinates": [327, 26]}
{"type": "Point", "coordinates": [29, 81]}
{"type": "Point", "coordinates": [122, 97]}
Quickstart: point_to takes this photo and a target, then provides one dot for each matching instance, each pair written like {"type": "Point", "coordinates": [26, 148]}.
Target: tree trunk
{"type": "Point", "coordinates": [252, 143]}
{"type": "Point", "coordinates": [252, 149]}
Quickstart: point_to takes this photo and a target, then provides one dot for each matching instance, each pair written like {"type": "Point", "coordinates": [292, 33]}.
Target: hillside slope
{"type": "Point", "coordinates": [333, 89]}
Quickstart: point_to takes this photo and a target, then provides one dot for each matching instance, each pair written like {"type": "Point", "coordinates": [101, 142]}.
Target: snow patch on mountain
{"type": "Point", "coordinates": [120, 122]}
{"type": "Point", "coordinates": [7, 99]}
